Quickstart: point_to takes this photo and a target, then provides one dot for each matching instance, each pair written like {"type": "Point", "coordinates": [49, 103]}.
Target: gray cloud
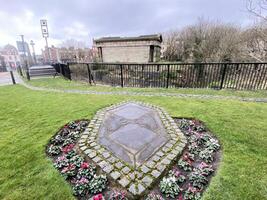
{"type": "Point", "coordinates": [83, 19]}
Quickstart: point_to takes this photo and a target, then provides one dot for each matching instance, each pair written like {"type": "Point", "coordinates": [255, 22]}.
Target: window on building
{"type": "Point", "coordinates": [151, 54]}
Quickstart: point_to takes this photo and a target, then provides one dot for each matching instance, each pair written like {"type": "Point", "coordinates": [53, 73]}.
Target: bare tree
{"type": "Point", "coordinates": [258, 8]}
{"type": "Point", "coordinates": [204, 42]}
{"type": "Point", "coordinates": [73, 43]}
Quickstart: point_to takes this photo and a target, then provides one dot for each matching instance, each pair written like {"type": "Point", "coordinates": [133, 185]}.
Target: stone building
{"type": "Point", "coordinates": [141, 49]}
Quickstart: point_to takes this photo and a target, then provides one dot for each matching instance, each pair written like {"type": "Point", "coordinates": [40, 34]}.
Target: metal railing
{"type": "Point", "coordinates": [240, 76]}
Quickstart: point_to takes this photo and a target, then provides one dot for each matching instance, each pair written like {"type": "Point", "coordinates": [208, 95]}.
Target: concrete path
{"type": "Point", "coordinates": [129, 93]}
{"type": "Point", "coordinates": [5, 78]}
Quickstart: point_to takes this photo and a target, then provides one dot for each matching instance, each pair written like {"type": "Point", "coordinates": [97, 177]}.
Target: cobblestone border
{"type": "Point", "coordinates": [138, 179]}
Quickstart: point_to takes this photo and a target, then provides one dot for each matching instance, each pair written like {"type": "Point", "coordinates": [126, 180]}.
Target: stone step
{"type": "Point", "coordinates": [42, 71]}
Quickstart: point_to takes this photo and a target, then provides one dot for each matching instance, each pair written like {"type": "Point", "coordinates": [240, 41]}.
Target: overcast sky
{"type": "Point", "coordinates": [87, 19]}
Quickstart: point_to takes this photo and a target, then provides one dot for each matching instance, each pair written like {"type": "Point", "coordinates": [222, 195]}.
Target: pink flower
{"type": "Point", "coordinates": [98, 197]}
{"type": "Point", "coordinates": [68, 148]}
{"type": "Point", "coordinates": [203, 165]}
{"type": "Point", "coordinates": [61, 158]}
{"type": "Point", "coordinates": [68, 168]}
{"type": "Point", "coordinates": [177, 173]}
{"type": "Point", "coordinates": [192, 189]}
{"type": "Point", "coordinates": [180, 197]}
{"type": "Point", "coordinates": [85, 165]}
{"type": "Point", "coordinates": [83, 180]}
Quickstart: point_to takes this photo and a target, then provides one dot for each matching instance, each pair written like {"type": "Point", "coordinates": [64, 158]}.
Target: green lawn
{"type": "Point", "coordinates": [60, 83]}
{"type": "Point", "coordinates": [29, 118]}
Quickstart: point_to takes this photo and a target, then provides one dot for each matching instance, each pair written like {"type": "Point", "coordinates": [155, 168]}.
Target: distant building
{"type": "Point", "coordinates": [50, 54]}
{"type": "Point", "coordinates": [9, 57]}
{"type": "Point", "coordinates": [144, 48]}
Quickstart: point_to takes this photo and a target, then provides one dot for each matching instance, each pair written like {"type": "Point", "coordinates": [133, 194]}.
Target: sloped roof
{"type": "Point", "coordinates": [157, 37]}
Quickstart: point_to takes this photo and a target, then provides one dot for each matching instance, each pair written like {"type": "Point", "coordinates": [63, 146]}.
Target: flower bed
{"type": "Point", "coordinates": [72, 166]}
{"type": "Point", "coordinates": [188, 178]}
{"type": "Point", "coordinates": [191, 174]}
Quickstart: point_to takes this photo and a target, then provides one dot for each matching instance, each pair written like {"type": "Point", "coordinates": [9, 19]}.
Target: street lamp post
{"type": "Point", "coordinates": [24, 57]}
{"type": "Point", "coordinates": [33, 51]}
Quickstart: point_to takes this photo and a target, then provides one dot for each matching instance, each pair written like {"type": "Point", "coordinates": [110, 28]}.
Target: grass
{"type": "Point", "coordinates": [29, 118]}
{"type": "Point", "coordinates": [60, 83]}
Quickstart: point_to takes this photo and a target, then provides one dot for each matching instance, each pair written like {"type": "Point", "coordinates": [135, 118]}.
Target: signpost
{"type": "Point", "coordinates": [45, 34]}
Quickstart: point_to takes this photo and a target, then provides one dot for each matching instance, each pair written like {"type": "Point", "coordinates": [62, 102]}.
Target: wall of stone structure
{"type": "Point", "coordinates": [126, 54]}
{"type": "Point", "coordinates": [129, 51]}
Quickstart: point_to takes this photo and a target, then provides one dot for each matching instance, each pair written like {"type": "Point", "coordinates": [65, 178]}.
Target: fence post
{"type": "Point", "coordinates": [69, 72]}
{"type": "Point", "coordinates": [28, 73]}
{"type": "Point", "coordinates": [89, 74]}
{"type": "Point", "coordinates": [60, 69]}
{"type": "Point", "coordinates": [20, 72]}
{"type": "Point", "coordinates": [223, 76]}
{"type": "Point", "coordinates": [12, 77]}
{"type": "Point", "coordinates": [121, 76]}
{"type": "Point", "coordinates": [168, 76]}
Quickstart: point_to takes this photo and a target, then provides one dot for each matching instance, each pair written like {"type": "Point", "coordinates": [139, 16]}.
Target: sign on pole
{"type": "Point", "coordinates": [44, 28]}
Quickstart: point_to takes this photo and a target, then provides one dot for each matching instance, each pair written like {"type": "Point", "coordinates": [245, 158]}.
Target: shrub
{"type": "Point", "coordinates": [64, 132]}
{"type": "Point", "coordinates": [197, 179]}
{"type": "Point", "coordinates": [69, 171]}
{"type": "Point", "coordinates": [117, 195]}
{"type": "Point", "coordinates": [72, 125]}
{"type": "Point", "coordinates": [68, 141]}
{"type": "Point", "coordinates": [205, 138]}
{"type": "Point", "coordinates": [54, 150]}
{"type": "Point", "coordinates": [74, 135]}
{"type": "Point", "coordinates": [184, 124]}
{"type": "Point", "coordinates": [169, 187]}
{"type": "Point", "coordinates": [205, 169]}
{"type": "Point", "coordinates": [192, 194]}
{"type": "Point", "coordinates": [68, 148]}
{"type": "Point", "coordinates": [193, 148]}
{"type": "Point", "coordinates": [206, 155]}
{"type": "Point", "coordinates": [178, 175]}
{"type": "Point", "coordinates": [58, 139]}
{"type": "Point", "coordinates": [76, 160]}
{"type": "Point", "coordinates": [185, 165]}
{"type": "Point", "coordinates": [154, 196]}
{"type": "Point", "coordinates": [97, 184]}
{"type": "Point", "coordinates": [61, 162]}
{"type": "Point", "coordinates": [70, 154]}
{"type": "Point", "coordinates": [80, 187]}
{"type": "Point", "coordinates": [86, 171]}
{"type": "Point", "coordinates": [212, 144]}
{"type": "Point", "coordinates": [189, 156]}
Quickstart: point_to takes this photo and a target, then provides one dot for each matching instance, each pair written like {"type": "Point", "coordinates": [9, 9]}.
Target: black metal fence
{"type": "Point", "coordinates": [241, 76]}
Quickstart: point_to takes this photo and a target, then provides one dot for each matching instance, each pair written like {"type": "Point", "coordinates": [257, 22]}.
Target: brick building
{"type": "Point", "coordinates": [9, 57]}
{"type": "Point", "coordinates": [139, 49]}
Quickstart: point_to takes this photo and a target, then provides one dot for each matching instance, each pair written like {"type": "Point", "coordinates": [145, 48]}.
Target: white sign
{"type": "Point", "coordinates": [44, 28]}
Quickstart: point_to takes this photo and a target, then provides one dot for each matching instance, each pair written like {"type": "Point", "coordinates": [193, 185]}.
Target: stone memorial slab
{"type": "Point", "coordinates": [131, 140]}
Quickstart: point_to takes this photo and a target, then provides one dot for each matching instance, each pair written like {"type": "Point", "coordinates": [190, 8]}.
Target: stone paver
{"type": "Point", "coordinates": [115, 175]}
